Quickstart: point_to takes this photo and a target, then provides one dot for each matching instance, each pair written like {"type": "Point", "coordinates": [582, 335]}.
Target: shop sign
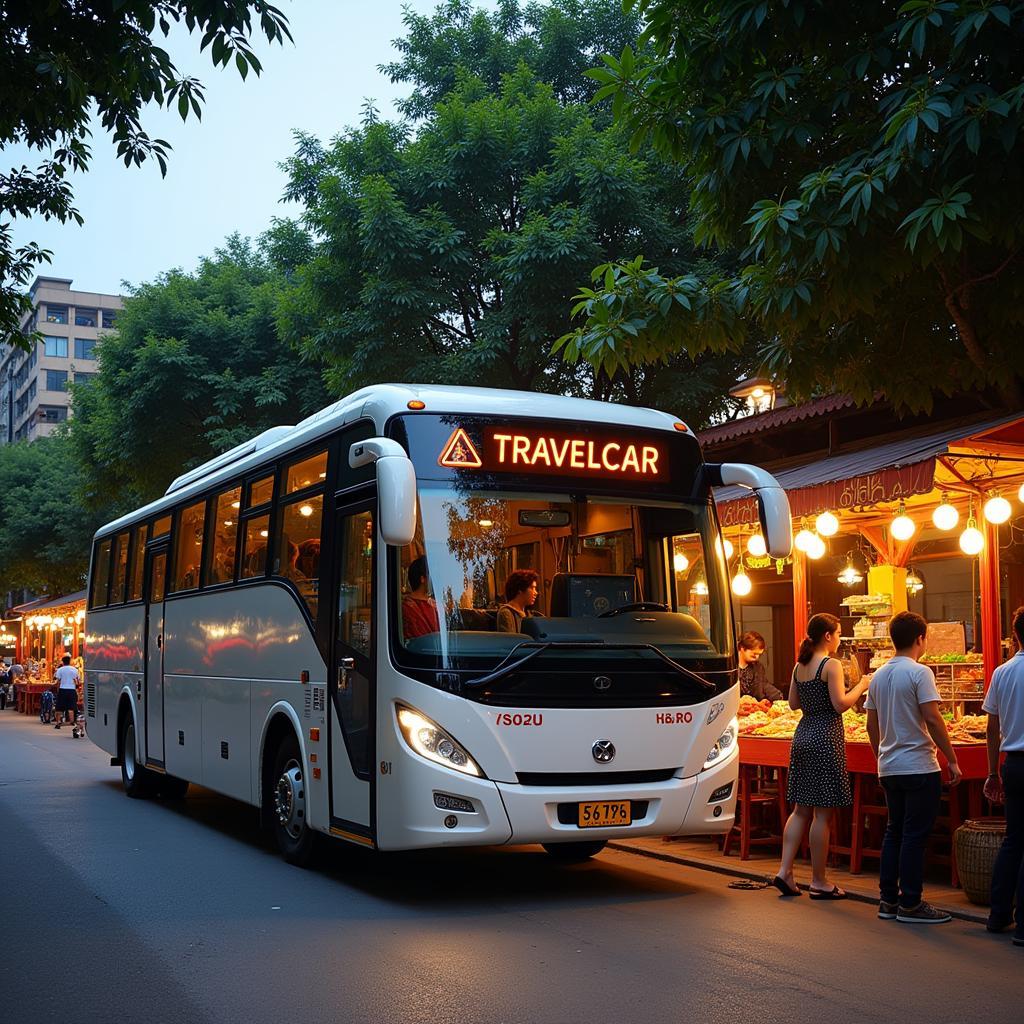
{"type": "Point", "coordinates": [854, 494]}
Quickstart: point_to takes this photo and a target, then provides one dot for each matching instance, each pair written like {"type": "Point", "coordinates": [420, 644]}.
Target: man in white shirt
{"type": "Point", "coordinates": [1004, 703]}
{"type": "Point", "coordinates": [67, 690]}
{"type": "Point", "coordinates": [904, 726]}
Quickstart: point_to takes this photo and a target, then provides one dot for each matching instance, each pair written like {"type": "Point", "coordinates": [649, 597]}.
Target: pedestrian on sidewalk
{"type": "Point", "coordinates": [818, 779]}
{"type": "Point", "coordinates": [905, 725]}
{"type": "Point", "coordinates": [1004, 704]}
{"type": "Point", "coordinates": [67, 691]}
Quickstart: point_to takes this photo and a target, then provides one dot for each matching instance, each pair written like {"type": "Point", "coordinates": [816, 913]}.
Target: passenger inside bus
{"type": "Point", "coordinates": [419, 610]}
{"type": "Point", "coordinates": [520, 597]}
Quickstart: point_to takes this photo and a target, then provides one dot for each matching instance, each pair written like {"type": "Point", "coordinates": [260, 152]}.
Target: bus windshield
{"type": "Point", "coordinates": [598, 576]}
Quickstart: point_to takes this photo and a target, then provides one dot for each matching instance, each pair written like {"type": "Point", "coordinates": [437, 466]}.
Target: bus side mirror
{"type": "Point", "coordinates": [396, 487]}
{"type": "Point", "coordinates": [772, 503]}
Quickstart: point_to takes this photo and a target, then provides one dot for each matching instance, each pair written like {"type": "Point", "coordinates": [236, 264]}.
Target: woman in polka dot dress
{"type": "Point", "coordinates": [818, 780]}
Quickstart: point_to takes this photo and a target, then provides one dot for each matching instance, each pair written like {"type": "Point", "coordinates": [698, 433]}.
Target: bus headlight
{"type": "Point", "coordinates": [722, 746]}
{"type": "Point", "coordinates": [429, 740]}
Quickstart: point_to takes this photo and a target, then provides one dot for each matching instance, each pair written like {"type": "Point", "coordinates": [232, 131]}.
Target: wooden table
{"type": "Point", "coordinates": [764, 752]}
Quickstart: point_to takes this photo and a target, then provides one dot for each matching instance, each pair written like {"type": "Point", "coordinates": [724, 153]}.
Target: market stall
{"type": "Point", "coordinates": [50, 629]}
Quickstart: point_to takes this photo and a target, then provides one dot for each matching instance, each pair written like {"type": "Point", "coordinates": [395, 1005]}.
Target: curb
{"type": "Point", "coordinates": [958, 913]}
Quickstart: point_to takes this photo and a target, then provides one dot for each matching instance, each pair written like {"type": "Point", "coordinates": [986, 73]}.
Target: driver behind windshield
{"type": "Point", "coordinates": [520, 596]}
{"type": "Point", "coordinates": [419, 610]}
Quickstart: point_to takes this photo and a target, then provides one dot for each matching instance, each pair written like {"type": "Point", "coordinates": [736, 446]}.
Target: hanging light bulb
{"type": "Point", "coordinates": [997, 509]}
{"type": "Point", "coordinates": [945, 517]}
{"type": "Point", "coordinates": [1020, 493]}
{"type": "Point", "coordinates": [741, 585]}
{"type": "Point", "coordinates": [804, 539]}
{"type": "Point", "coordinates": [680, 562]}
{"type": "Point", "coordinates": [817, 547]}
{"type": "Point", "coordinates": [903, 527]}
{"type": "Point", "coordinates": [727, 548]}
{"type": "Point", "coordinates": [827, 524]}
{"type": "Point", "coordinates": [850, 576]}
{"type": "Point", "coordinates": [700, 588]}
{"type": "Point", "coordinates": [914, 583]}
{"type": "Point", "coordinates": [972, 540]}
{"type": "Point", "coordinates": [756, 545]}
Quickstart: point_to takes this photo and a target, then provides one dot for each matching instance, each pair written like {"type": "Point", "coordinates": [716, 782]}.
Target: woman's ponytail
{"type": "Point", "coordinates": [818, 626]}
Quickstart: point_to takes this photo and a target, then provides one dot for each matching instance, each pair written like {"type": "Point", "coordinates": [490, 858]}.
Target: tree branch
{"type": "Point", "coordinates": [967, 285]}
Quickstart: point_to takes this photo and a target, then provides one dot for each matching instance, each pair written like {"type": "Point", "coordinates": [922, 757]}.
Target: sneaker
{"type": "Point", "coordinates": [923, 913]}
{"type": "Point", "coordinates": [997, 923]}
{"type": "Point", "coordinates": [57, 726]}
{"type": "Point", "coordinates": [888, 911]}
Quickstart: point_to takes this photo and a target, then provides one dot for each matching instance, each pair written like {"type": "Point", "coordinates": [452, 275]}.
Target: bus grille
{"type": "Point", "coordinates": [90, 699]}
{"type": "Point", "coordinates": [594, 778]}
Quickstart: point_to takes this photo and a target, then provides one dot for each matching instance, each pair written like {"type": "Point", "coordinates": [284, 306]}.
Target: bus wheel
{"type": "Point", "coordinates": [575, 853]}
{"type": "Point", "coordinates": [136, 779]}
{"type": "Point", "coordinates": [288, 805]}
{"type": "Point", "coordinates": [172, 788]}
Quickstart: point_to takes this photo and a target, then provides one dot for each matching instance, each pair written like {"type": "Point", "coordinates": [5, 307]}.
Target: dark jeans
{"type": "Point", "coordinates": [1008, 871]}
{"type": "Point", "coordinates": [913, 802]}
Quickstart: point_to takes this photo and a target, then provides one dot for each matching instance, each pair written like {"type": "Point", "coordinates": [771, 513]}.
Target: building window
{"type": "Point", "coordinates": [31, 393]}
{"type": "Point", "coordinates": [56, 314]}
{"type": "Point", "coordinates": [81, 377]}
{"type": "Point", "coordinates": [56, 380]}
{"type": "Point", "coordinates": [20, 406]}
{"type": "Point", "coordinates": [85, 317]}
{"type": "Point", "coordinates": [52, 413]}
{"type": "Point", "coordinates": [109, 318]}
{"type": "Point", "coordinates": [55, 347]}
{"type": "Point", "coordinates": [85, 348]}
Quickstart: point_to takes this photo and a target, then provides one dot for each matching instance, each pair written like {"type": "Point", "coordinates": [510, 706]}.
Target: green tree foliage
{"type": "Point", "coordinates": [868, 162]}
{"type": "Point", "coordinates": [449, 252]}
{"type": "Point", "coordinates": [63, 62]}
{"type": "Point", "coordinates": [195, 367]}
{"type": "Point", "coordinates": [45, 533]}
{"type": "Point", "coordinates": [558, 42]}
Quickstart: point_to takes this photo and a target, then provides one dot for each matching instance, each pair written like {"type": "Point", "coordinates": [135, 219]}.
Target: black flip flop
{"type": "Point", "coordinates": [835, 893]}
{"type": "Point", "coordinates": [785, 888]}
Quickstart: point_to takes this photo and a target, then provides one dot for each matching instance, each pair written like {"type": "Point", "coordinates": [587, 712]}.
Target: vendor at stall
{"type": "Point", "coordinates": [752, 676]}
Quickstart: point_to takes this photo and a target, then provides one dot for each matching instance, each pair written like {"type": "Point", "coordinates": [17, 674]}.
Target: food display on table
{"type": "Point", "coordinates": [951, 659]}
{"type": "Point", "coordinates": [779, 721]}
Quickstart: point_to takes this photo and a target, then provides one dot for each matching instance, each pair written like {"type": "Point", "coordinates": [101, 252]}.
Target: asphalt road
{"type": "Point", "coordinates": [119, 910]}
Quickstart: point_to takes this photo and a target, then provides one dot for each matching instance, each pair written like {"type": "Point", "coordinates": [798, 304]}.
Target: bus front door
{"type": "Point", "coordinates": [156, 576]}
{"type": "Point", "coordinates": [352, 680]}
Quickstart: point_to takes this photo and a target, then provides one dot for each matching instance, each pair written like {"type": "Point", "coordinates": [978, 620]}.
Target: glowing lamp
{"type": "Point", "coordinates": [850, 576]}
{"type": "Point", "coordinates": [1020, 493]}
{"type": "Point", "coordinates": [756, 545]}
{"type": "Point", "coordinates": [306, 510]}
{"type": "Point", "coordinates": [727, 548]}
{"type": "Point", "coordinates": [700, 588]}
{"type": "Point", "coordinates": [972, 540]}
{"type": "Point", "coordinates": [945, 517]}
{"type": "Point", "coordinates": [803, 540]}
{"type": "Point", "coordinates": [827, 524]}
{"type": "Point", "coordinates": [997, 509]}
{"type": "Point", "coordinates": [903, 527]}
{"type": "Point", "coordinates": [914, 583]}
{"type": "Point", "coordinates": [486, 523]}
{"type": "Point", "coordinates": [741, 585]}
{"type": "Point", "coordinates": [679, 561]}
{"type": "Point", "coordinates": [817, 547]}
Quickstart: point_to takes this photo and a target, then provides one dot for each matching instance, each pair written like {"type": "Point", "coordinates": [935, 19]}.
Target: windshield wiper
{"type": "Point", "coordinates": [506, 668]}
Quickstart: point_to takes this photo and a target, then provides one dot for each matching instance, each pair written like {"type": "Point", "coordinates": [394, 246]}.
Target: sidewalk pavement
{"type": "Point", "coordinates": [703, 852]}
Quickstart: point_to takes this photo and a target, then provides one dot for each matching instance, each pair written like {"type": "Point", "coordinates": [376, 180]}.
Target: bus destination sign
{"type": "Point", "coordinates": [543, 450]}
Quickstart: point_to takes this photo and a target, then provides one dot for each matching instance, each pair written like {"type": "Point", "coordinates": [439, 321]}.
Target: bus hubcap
{"type": "Point", "coordinates": [290, 800]}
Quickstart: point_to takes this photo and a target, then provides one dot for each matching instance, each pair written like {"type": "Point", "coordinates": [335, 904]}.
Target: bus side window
{"type": "Point", "coordinates": [188, 548]}
{"type": "Point", "coordinates": [254, 550]}
{"type": "Point", "coordinates": [220, 559]}
{"type": "Point", "coordinates": [120, 577]}
{"type": "Point", "coordinates": [100, 574]}
{"type": "Point", "coordinates": [138, 562]}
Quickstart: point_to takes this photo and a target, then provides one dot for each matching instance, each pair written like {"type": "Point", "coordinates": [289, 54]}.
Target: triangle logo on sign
{"type": "Point", "coordinates": [459, 453]}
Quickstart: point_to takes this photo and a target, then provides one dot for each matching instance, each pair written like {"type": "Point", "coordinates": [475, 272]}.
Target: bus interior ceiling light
{"type": "Point", "coordinates": [431, 742]}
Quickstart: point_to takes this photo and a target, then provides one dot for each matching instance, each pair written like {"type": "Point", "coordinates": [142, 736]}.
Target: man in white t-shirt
{"type": "Point", "coordinates": [1004, 704]}
{"type": "Point", "coordinates": [904, 726]}
{"type": "Point", "coordinates": [67, 690]}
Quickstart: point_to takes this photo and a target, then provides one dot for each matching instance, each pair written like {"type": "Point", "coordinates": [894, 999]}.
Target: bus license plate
{"type": "Point", "coordinates": [604, 814]}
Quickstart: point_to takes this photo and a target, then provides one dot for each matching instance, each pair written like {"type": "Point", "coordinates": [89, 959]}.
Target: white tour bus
{"type": "Point", "coordinates": [327, 622]}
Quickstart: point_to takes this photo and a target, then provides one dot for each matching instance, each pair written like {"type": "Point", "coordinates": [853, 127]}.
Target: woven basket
{"type": "Point", "coordinates": [976, 843]}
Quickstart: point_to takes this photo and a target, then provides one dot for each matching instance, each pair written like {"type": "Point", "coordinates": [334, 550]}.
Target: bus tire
{"type": "Point", "coordinates": [138, 781]}
{"type": "Point", "coordinates": [287, 799]}
{"type": "Point", "coordinates": [575, 853]}
{"type": "Point", "coordinates": [171, 787]}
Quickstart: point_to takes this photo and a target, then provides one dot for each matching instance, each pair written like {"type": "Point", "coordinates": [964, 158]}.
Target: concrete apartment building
{"type": "Point", "coordinates": [34, 395]}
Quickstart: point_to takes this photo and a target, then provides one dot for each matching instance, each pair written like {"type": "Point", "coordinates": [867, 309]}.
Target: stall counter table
{"type": "Point", "coordinates": [769, 752]}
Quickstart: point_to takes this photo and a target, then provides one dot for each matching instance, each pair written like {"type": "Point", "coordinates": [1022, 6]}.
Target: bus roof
{"type": "Point", "coordinates": [379, 403]}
